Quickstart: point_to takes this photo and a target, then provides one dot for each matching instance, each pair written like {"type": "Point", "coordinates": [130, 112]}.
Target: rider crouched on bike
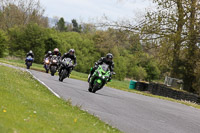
{"type": "Point", "coordinates": [30, 53]}
{"type": "Point", "coordinates": [48, 55]}
{"type": "Point", "coordinates": [107, 60]}
{"type": "Point", "coordinates": [71, 55]}
{"type": "Point", "coordinates": [56, 52]}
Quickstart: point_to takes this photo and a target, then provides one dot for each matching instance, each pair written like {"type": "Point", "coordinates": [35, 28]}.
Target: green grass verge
{"type": "Point", "coordinates": [26, 106]}
{"type": "Point", "coordinates": [121, 85]}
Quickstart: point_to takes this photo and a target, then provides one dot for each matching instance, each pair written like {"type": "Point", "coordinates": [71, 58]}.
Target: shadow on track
{"type": "Point", "coordinates": [100, 94]}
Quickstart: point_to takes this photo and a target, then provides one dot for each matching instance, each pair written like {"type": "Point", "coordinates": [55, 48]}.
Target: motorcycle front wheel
{"type": "Point", "coordinates": [53, 70]}
{"type": "Point", "coordinates": [28, 65]}
{"type": "Point", "coordinates": [95, 87]}
{"type": "Point", "coordinates": [63, 75]}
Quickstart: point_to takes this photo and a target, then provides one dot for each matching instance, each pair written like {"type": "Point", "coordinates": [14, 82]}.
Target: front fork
{"type": "Point", "coordinates": [91, 84]}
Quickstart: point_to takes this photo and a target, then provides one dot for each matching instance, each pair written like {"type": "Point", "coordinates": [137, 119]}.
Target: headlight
{"type": "Point", "coordinates": [54, 61]}
{"type": "Point", "coordinates": [47, 61]}
{"type": "Point", "coordinates": [103, 77]}
{"type": "Point", "coordinates": [100, 75]}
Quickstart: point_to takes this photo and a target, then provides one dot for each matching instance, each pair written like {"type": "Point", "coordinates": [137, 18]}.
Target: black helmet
{"type": "Point", "coordinates": [71, 51]}
{"type": "Point", "coordinates": [109, 57]}
{"type": "Point", "coordinates": [49, 52]}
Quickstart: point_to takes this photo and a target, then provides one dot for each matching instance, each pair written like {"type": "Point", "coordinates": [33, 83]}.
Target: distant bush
{"type": "Point", "coordinates": [3, 44]}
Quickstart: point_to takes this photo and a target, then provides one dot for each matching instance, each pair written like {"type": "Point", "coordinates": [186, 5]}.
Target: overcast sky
{"type": "Point", "coordinates": [86, 10]}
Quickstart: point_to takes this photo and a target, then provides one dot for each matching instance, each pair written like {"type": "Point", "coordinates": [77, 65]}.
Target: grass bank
{"type": "Point", "coordinates": [121, 85]}
{"type": "Point", "coordinates": [26, 106]}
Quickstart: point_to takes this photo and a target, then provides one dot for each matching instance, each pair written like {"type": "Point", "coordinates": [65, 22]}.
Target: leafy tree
{"type": "Point", "coordinates": [173, 28]}
{"type": "Point", "coordinates": [61, 25]}
{"type": "Point", "coordinates": [192, 50]}
{"type": "Point", "coordinates": [50, 44]}
{"type": "Point", "coordinates": [88, 28]}
{"type": "Point", "coordinates": [21, 12]}
{"type": "Point", "coordinates": [76, 27]}
{"type": "Point", "coordinates": [31, 37]}
{"type": "Point", "coordinates": [138, 73]}
{"type": "Point", "coordinates": [120, 67]}
{"type": "Point", "coordinates": [16, 43]}
{"type": "Point", "coordinates": [3, 41]}
{"type": "Point", "coordinates": [152, 71]}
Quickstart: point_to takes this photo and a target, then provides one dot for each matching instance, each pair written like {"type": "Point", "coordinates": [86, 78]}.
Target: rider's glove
{"type": "Point", "coordinates": [113, 73]}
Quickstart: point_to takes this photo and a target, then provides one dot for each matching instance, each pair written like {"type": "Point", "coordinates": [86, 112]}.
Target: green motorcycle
{"type": "Point", "coordinates": [99, 78]}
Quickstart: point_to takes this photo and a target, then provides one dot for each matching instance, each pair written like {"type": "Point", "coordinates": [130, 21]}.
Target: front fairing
{"type": "Point", "coordinates": [47, 61]}
{"type": "Point", "coordinates": [54, 60]}
{"type": "Point", "coordinates": [29, 58]}
{"type": "Point", "coordinates": [100, 76]}
{"type": "Point", "coordinates": [67, 63]}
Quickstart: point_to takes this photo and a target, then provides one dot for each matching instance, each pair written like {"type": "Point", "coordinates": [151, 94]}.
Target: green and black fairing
{"type": "Point", "coordinates": [99, 78]}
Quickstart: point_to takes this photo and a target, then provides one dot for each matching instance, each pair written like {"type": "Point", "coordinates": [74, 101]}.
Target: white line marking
{"type": "Point", "coordinates": [44, 84]}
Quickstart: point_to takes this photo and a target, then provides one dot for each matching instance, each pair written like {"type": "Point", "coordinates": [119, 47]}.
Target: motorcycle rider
{"type": "Point", "coordinates": [107, 60]}
{"type": "Point", "coordinates": [56, 52]}
{"type": "Point", "coordinates": [48, 55]}
{"type": "Point", "coordinates": [70, 54]}
{"type": "Point", "coordinates": [30, 53]}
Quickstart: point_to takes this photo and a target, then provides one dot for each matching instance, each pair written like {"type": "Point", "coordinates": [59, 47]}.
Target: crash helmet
{"type": "Point", "coordinates": [71, 51]}
{"type": "Point", "coordinates": [49, 52]}
{"type": "Point", "coordinates": [30, 51]}
{"type": "Point", "coordinates": [56, 50]}
{"type": "Point", "coordinates": [109, 57]}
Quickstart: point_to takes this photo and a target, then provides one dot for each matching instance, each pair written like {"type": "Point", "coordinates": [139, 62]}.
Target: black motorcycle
{"type": "Point", "coordinates": [53, 65]}
{"type": "Point", "coordinates": [65, 68]}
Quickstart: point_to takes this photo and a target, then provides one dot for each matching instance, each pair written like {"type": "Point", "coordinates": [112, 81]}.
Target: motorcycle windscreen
{"type": "Point", "coordinates": [29, 58]}
{"type": "Point", "coordinates": [105, 67]}
{"type": "Point", "coordinates": [54, 56]}
{"type": "Point", "coordinates": [67, 61]}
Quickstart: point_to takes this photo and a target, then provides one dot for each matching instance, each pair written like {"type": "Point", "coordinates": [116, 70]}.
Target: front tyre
{"type": "Point", "coordinates": [63, 75]}
{"type": "Point", "coordinates": [90, 89]}
{"type": "Point", "coordinates": [53, 70]}
{"type": "Point", "coordinates": [95, 87]}
{"type": "Point", "coordinates": [28, 65]}
{"type": "Point", "coordinates": [47, 70]}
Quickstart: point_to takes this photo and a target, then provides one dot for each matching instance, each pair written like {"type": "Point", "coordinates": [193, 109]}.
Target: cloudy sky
{"type": "Point", "coordinates": [86, 10]}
